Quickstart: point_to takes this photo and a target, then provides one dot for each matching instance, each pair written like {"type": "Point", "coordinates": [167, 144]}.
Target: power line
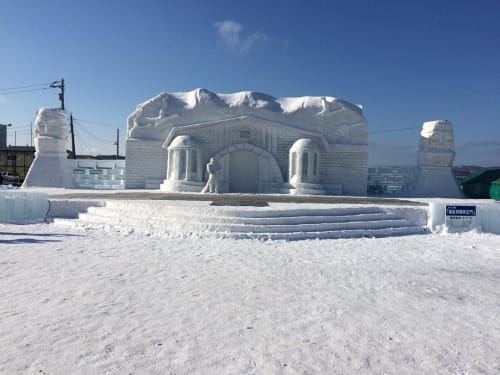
{"type": "Point", "coordinates": [96, 122]}
{"type": "Point", "coordinates": [23, 91]}
{"type": "Point", "coordinates": [393, 130]}
{"type": "Point", "coordinates": [15, 127]}
{"type": "Point", "coordinates": [19, 133]}
{"type": "Point", "coordinates": [24, 87]}
{"type": "Point", "coordinates": [96, 137]}
{"type": "Point", "coordinates": [83, 127]}
{"type": "Point", "coordinates": [82, 142]}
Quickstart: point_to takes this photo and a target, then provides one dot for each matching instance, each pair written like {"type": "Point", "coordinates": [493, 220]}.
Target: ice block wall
{"type": "Point", "coordinates": [19, 207]}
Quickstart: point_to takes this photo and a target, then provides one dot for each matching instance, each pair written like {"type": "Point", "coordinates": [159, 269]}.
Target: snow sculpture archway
{"type": "Point", "coordinates": [246, 168]}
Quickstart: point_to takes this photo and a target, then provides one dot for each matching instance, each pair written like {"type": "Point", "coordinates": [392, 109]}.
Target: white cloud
{"type": "Point", "coordinates": [231, 36]}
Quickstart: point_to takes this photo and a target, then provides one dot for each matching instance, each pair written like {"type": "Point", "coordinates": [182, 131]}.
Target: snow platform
{"type": "Point", "coordinates": [277, 221]}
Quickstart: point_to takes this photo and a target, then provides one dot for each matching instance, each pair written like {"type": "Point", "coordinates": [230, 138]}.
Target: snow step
{"type": "Point", "coordinates": [161, 218]}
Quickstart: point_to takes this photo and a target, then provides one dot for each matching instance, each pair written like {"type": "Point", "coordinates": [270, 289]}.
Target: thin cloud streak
{"type": "Point", "coordinates": [231, 37]}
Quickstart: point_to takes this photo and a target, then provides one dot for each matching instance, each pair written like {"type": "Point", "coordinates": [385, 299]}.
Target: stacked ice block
{"type": "Point", "coordinates": [20, 207]}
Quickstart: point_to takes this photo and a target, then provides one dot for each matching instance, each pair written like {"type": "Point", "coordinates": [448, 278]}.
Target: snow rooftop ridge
{"type": "Point", "coordinates": [253, 99]}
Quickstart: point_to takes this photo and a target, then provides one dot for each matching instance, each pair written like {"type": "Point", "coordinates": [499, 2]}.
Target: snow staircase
{"type": "Point", "coordinates": [165, 218]}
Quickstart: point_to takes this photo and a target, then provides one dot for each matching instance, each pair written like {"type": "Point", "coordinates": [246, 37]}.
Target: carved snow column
{"type": "Point", "coordinates": [303, 171]}
{"type": "Point", "coordinates": [184, 168]}
{"type": "Point", "coordinates": [435, 159]}
{"type": "Point", "coordinates": [51, 167]}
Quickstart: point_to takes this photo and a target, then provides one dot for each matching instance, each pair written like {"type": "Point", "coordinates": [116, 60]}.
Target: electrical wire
{"type": "Point", "coordinates": [96, 138]}
{"type": "Point", "coordinates": [11, 134]}
{"type": "Point", "coordinates": [106, 141]}
{"type": "Point", "coordinates": [393, 130]}
{"type": "Point", "coordinates": [24, 91]}
{"type": "Point", "coordinates": [24, 87]}
{"type": "Point", "coordinates": [82, 142]}
{"type": "Point", "coordinates": [96, 122]}
{"type": "Point", "coordinates": [15, 127]}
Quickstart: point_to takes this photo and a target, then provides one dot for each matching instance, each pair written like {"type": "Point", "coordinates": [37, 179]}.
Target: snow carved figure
{"type": "Point", "coordinates": [212, 183]}
{"type": "Point", "coordinates": [50, 167]}
{"type": "Point", "coordinates": [435, 159]}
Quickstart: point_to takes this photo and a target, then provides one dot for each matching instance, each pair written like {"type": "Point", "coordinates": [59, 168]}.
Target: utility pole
{"type": "Point", "coordinates": [59, 85]}
{"type": "Point", "coordinates": [72, 136]}
{"type": "Point", "coordinates": [31, 124]}
{"type": "Point", "coordinates": [117, 143]}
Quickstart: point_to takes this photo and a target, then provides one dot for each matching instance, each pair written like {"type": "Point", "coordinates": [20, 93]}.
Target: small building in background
{"type": "Point", "coordinates": [484, 184]}
{"type": "Point", "coordinates": [16, 160]}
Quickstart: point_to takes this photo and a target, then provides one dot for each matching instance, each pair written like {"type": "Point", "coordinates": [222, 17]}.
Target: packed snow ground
{"type": "Point", "coordinates": [97, 302]}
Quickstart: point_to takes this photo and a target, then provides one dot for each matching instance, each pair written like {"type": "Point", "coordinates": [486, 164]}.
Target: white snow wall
{"type": "Point", "coordinates": [347, 166]}
{"type": "Point", "coordinates": [146, 160]}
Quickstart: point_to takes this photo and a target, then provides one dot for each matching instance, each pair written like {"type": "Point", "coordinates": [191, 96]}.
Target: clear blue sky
{"type": "Point", "coordinates": [406, 62]}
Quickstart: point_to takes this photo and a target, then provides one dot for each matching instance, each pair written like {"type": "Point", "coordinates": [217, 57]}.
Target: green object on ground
{"type": "Point", "coordinates": [495, 190]}
{"type": "Point", "coordinates": [482, 184]}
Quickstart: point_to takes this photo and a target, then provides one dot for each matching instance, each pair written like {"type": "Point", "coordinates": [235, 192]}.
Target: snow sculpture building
{"type": "Point", "coordinates": [261, 144]}
{"type": "Point", "coordinates": [50, 167]}
{"type": "Point", "coordinates": [435, 159]}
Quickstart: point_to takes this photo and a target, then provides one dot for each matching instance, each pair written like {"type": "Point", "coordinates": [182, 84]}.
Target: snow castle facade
{"type": "Point", "coordinates": [260, 144]}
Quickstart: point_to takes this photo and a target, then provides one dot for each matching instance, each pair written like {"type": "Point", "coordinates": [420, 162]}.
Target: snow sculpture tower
{"type": "Point", "coordinates": [304, 168]}
{"type": "Point", "coordinates": [185, 171]}
{"type": "Point", "coordinates": [435, 159]}
{"type": "Point", "coordinates": [50, 167]}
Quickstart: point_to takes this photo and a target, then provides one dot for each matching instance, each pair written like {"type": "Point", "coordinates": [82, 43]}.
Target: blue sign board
{"type": "Point", "coordinates": [461, 217]}
{"type": "Point", "coordinates": [463, 211]}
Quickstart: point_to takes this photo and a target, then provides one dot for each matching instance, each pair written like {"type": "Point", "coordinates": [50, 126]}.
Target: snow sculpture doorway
{"type": "Point", "coordinates": [246, 168]}
{"type": "Point", "coordinates": [244, 172]}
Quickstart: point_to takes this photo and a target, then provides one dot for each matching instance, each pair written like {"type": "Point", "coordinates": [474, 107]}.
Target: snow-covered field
{"type": "Point", "coordinates": [97, 302]}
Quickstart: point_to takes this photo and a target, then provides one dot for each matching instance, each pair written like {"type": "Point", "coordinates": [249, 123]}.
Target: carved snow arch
{"type": "Point", "coordinates": [259, 151]}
